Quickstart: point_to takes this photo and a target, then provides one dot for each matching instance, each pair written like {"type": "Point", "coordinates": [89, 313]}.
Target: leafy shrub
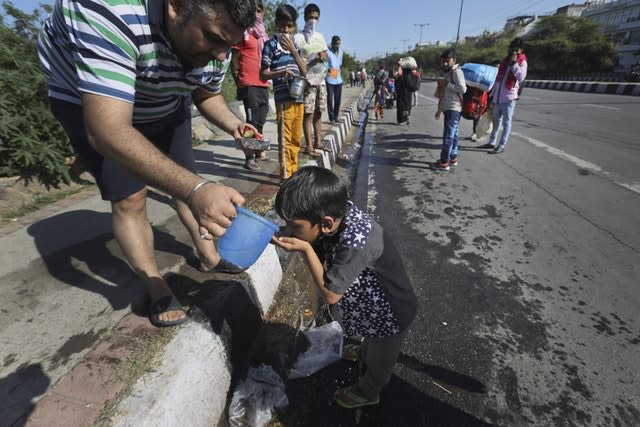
{"type": "Point", "coordinates": [33, 144]}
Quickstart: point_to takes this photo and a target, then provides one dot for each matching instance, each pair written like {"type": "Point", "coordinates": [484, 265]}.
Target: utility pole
{"type": "Point", "coordinates": [459, 20]}
{"type": "Point", "coordinates": [404, 44]}
{"type": "Point", "coordinates": [421, 26]}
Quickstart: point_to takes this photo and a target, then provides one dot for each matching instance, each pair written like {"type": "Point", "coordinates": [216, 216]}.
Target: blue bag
{"type": "Point", "coordinates": [480, 76]}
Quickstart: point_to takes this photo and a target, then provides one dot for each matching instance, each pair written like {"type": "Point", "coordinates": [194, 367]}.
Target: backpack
{"type": "Point", "coordinates": [474, 103]}
{"type": "Point", "coordinates": [412, 81]}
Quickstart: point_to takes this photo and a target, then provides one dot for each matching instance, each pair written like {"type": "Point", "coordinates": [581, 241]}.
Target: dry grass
{"type": "Point", "coordinates": [143, 359]}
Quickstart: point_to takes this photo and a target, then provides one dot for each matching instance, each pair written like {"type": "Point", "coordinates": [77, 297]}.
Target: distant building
{"type": "Point", "coordinates": [519, 21]}
{"type": "Point", "coordinates": [575, 9]}
{"type": "Point", "coordinates": [621, 21]}
{"type": "Point", "coordinates": [522, 24]}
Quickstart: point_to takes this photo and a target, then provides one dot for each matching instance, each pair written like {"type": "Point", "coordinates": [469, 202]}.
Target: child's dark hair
{"type": "Point", "coordinates": [312, 193]}
{"type": "Point", "coordinates": [286, 13]}
{"type": "Point", "coordinates": [517, 43]}
{"type": "Point", "coordinates": [309, 9]}
{"type": "Point", "coordinates": [447, 54]}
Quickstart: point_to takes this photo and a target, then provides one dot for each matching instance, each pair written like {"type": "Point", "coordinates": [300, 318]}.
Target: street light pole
{"type": "Point", "coordinates": [404, 44]}
{"type": "Point", "coordinates": [459, 20]}
{"type": "Point", "coordinates": [421, 26]}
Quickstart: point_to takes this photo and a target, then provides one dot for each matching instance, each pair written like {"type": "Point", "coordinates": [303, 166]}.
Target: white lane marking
{"type": "Point", "coordinates": [584, 164]}
{"type": "Point", "coordinates": [428, 98]}
{"type": "Point", "coordinates": [602, 106]}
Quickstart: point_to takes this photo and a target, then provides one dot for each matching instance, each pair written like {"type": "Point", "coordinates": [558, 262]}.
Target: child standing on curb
{"type": "Point", "coordinates": [452, 86]}
{"type": "Point", "coordinates": [281, 62]}
{"type": "Point", "coordinates": [355, 266]}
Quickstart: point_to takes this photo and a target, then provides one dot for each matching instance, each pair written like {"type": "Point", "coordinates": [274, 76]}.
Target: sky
{"type": "Point", "coordinates": [371, 28]}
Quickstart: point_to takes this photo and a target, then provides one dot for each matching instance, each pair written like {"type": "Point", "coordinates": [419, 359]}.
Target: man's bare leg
{"type": "Point", "coordinates": [206, 249]}
{"type": "Point", "coordinates": [307, 127]}
{"type": "Point", "coordinates": [134, 234]}
{"type": "Point", "coordinates": [317, 128]}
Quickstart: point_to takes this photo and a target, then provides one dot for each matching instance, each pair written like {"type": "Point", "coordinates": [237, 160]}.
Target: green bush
{"type": "Point", "coordinates": [33, 145]}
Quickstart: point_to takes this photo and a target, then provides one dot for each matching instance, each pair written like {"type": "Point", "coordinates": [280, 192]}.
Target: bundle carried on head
{"type": "Point", "coordinates": [408, 62]}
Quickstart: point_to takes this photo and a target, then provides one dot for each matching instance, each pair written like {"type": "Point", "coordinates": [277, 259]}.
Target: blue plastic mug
{"type": "Point", "coordinates": [246, 238]}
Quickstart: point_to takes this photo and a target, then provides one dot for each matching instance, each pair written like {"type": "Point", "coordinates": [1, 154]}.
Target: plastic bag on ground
{"type": "Point", "coordinates": [254, 399]}
{"type": "Point", "coordinates": [485, 124]}
{"type": "Point", "coordinates": [325, 348]}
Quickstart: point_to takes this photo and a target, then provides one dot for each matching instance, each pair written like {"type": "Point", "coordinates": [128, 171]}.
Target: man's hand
{"type": "Point", "coordinates": [438, 114]}
{"type": "Point", "coordinates": [241, 129]}
{"type": "Point", "coordinates": [290, 244]}
{"type": "Point", "coordinates": [214, 206]}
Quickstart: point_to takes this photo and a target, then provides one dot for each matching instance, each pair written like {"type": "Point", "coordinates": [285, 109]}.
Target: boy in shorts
{"type": "Point", "coordinates": [357, 269]}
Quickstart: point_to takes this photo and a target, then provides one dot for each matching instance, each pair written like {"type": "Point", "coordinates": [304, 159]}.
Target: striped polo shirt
{"type": "Point", "coordinates": [276, 58]}
{"type": "Point", "coordinates": [118, 48]}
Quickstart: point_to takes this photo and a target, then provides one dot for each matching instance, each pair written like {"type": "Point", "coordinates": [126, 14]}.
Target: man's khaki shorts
{"type": "Point", "coordinates": [315, 99]}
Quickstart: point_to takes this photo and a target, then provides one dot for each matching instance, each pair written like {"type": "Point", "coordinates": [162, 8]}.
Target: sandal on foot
{"type": "Point", "coordinates": [163, 305]}
{"type": "Point", "coordinates": [223, 266]}
{"type": "Point", "coordinates": [323, 148]}
{"type": "Point", "coordinates": [312, 153]}
{"type": "Point", "coordinates": [351, 352]}
{"type": "Point", "coordinates": [349, 399]}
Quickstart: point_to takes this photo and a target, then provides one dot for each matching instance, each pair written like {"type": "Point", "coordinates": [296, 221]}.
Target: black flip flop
{"type": "Point", "coordinates": [162, 305]}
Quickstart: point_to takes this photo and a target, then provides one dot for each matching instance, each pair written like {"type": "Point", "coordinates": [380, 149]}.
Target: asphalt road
{"type": "Point", "coordinates": [526, 265]}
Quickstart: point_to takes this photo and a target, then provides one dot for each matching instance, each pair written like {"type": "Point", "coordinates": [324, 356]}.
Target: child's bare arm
{"type": "Point", "coordinates": [315, 266]}
{"type": "Point", "coordinates": [317, 272]}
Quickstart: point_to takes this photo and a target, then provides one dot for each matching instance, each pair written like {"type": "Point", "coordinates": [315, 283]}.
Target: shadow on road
{"type": "Point", "coordinates": [92, 264]}
{"type": "Point", "coordinates": [17, 391]}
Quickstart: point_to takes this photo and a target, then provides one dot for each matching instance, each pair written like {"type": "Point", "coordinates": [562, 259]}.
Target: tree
{"type": "Point", "coordinates": [32, 142]}
{"type": "Point", "coordinates": [270, 7]}
{"type": "Point", "coordinates": [566, 44]}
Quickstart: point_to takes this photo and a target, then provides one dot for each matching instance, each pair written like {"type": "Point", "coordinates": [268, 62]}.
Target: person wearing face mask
{"type": "Point", "coordinates": [452, 86]}
{"type": "Point", "coordinates": [314, 49]}
{"type": "Point", "coordinates": [253, 91]}
{"type": "Point", "coordinates": [511, 73]}
{"type": "Point", "coordinates": [122, 78]}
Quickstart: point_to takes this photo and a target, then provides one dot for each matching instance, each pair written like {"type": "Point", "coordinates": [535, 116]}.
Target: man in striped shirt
{"type": "Point", "coordinates": [122, 76]}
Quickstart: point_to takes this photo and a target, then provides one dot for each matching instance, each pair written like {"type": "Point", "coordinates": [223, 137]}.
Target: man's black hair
{"type": "Point", "coordinates": [286, 13]}
{"type": "Point", "coordinates": [335, 39]}
{"type": "Point", "coordinates": [309, 9]}
{"type": "Point", "coordinates": [242, 12]}
{"type": "Point", "coordinates": [449, 53]}
{"type": "Point", "coordinates": [312, 193]}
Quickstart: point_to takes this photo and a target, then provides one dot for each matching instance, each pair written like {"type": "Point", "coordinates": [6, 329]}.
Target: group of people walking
{"type": "Point", "coordinates": [400, 89]}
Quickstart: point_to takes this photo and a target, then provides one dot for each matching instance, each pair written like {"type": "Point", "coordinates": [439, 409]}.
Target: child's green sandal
{"type": "Point", "coordinates": [349, 399]}
{"type": "Point", "coordinates": [351, 352]}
